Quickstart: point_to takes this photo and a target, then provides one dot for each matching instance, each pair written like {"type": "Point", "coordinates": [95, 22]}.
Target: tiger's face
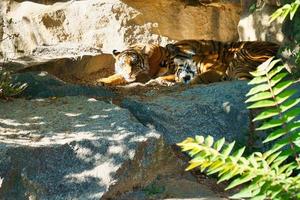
{"type": "Point", "coordinates": [130, 63]}
{"type": "Point", "coordinates": [186, 70]}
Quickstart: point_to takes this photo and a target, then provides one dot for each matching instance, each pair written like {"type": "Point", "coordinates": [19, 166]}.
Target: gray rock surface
{"type": "Point", "coordinates": [77, 147]}
{"type": "Point", "coordinates": [64, 148]}
{"type": "Point", "coordinates": [216, 109]}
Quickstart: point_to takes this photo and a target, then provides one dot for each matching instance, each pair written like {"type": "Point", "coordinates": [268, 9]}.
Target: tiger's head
{"type": "Point", "coordinates": [185, 67]}
{"type": "Point", "coordinates": [130, 63]}
{"type": "Point", "coordinates": [186, 70]}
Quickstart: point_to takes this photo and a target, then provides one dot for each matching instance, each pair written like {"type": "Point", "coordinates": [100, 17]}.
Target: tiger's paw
{"type": "Point", "coordinates": [160, 81]}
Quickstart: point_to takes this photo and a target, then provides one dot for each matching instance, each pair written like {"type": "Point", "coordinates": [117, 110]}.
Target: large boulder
{"type": "Point", "coordinates": [216, 109]}
{"type": "Point", "coordinates": [109, 146]}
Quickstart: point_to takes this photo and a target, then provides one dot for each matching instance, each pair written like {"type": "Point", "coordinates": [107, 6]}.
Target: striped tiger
{"type": "Point", "coordinates": [206, 61]}
{"type": "Point", "coordinates": [141, 63]}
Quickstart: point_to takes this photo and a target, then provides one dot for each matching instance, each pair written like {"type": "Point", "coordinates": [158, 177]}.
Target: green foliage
{"type": "Point", "coordinates": [285, 10]}
{"type": "Point", "coordinates": [7, 88]}
{"type": "Point", "coordinates": [266, 175]}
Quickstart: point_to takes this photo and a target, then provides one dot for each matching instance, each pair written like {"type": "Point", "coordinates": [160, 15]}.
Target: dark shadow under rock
{"type": "Point", "coordinates": [44, 85]}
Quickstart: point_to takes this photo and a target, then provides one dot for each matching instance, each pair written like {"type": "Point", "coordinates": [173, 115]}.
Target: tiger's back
{"type": "Point", "coordinates": [229, 60]}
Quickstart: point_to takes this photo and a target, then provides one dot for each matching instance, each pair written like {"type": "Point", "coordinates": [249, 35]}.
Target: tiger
{"type": "Point", "coordinates": [207, 61]}
{"type": "Point", "coordinates": [141, 63]}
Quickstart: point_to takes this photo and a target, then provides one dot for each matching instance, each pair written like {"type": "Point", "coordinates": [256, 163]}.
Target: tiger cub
{"type": "Point", "coordinates": [141, 63]}
{"type": "Point", "coordinates": [206, 61]}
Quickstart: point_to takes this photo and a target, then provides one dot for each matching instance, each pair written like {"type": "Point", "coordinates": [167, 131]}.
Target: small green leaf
{"type": "Point", "coordinates": [219, 144]}
{"type": "Point", "coordinates": [199, 139]}
{"type": "Point", "coordinates": [273, 157]}
{"type": "Point", "coordinates": [275, 71]}
{"type": "Point", "coordinates": [215, 167]}
{"type": "Point", "coordinates": [270, 124]}
{"type": "Point", "coordinates": [278, 161]}
{"type": "Point", "coordinates": [258, 80]}
{"type": "Point", "coordinates": [226, 176]}
{"type": "Point", "coordinates": [263, 104]}
{"type": "Point", "coordinates": [267, 114]}
{"type": "Point", "coordinates": [193, 165]}
{"type": "Point", "coordinates": [259, 96]}
{"type": "Point", "coordinates": [258, 88]}
{"type": "Point", "coordinates": [276, 14]}
{"type": "Point", "coordinates": [209, 141]}
{"type": "Point", "coordinates": [289, 166]}
{"type": "Point", "coordinates": [252, 160]}
{"type": "Point", "coordinates": [278, 78]}
{"type": "Point", "coordinates": [238, 153]}
{"type": "Point", "coordinates": [289, 104]}
{"type": "Point", "coordinates": [274, 135]}
{"type": "Point", "coordinates": [284, 95]}
{"type": "Point", "coordinates": [246, 192]}
{"type": "Point", "coordinates": [240, 180]}
{"type": "Point", "coordinates": [265, 67]}
{"type": "Point", "coordinates": [293, 10]}
{"type": "Point", "coordinates": [282, 86]}
{"type": "Point", "coordinates": [228, 149]}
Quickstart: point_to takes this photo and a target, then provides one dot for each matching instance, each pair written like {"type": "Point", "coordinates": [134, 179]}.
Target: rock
{"type": "Point", "coordinates": [68, 148]}
{"type": "Point", "coordinates": [255, 25]}
{"type": "Point", "coordinates": [82, 148]}
{"type": "Point", "coordinates": [44, 85]}
{"type": "Point", "coordinates": [38, 32]}
{"type": "Point", "coordinates": [215, 109]}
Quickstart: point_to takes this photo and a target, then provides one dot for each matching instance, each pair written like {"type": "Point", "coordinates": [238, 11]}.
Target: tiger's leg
{"type": "Point", "coordinates": [112, 80]}
{"type": "Point", "coordinates": [167, 80]}
{"type": "Point", "coordinates": [208, 77]}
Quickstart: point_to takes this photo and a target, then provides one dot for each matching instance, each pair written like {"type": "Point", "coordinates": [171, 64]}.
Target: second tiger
{"type": "Point", "coordinates": [206, 61]}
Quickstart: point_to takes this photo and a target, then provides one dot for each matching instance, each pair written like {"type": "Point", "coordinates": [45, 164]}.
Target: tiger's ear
{"type": "Point", "coordinates": [144, 50]}
{"type": "Point", "coordinates": [171, 48]}
{"type": "Point", "coordinates": [115, 52]}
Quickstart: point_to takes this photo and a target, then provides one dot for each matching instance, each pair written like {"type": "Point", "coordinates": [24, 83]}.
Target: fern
{"type": "Point", "coordinates": [285, 10]}
{"type": "Point", "coordinates": [265, 175]}
{"type": "Point", "coordinates": [7, 88]}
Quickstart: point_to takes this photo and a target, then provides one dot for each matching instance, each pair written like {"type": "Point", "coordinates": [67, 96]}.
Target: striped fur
{"type": "Point", "coordinates": [213, 61]}
{"type": "Point", "coordinates": [140, 63]}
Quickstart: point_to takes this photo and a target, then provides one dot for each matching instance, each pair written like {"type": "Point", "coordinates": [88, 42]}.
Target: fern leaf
{"type": "Point", "coordinates": [275, 71]}
{"type": "Point", "coordinates": [228, 149]}
{"type": "Point", "coordinates": [219, 144]}
{"type": "Point", "coordinates": [280, 132]}
{"type": "Point", "coordinates": [270, 124]}
{"type": "Point", "coordinates": [259, 96]}
{"type": "Point", "coordinates": [282, 86]}
{"type": "Point", "coordinates": [289, 104]}
{"type": "Point", "coordinates": [240, 180]}
{"type": "Point", "coordinates": [209, 141]}
{"type": "Point", "coordinates": [284, 96]}
{"type": "Point", "coordinates": [199, 139]}
{"type": "Point", "coordinates": [277, 78]}
{"type": "Point", "coordinates": [258, 88]}
{"type": "Point", "coordinates": [236, 155]}
{"type": "Point", "coordinates": [267, 114]}
{"type": "Point", "coordinates": [265, 67]}
{"type": "Point", "coordinates": [263, 104]}
{"type": "Point", "coordinates": [258, 80]}
{"type": "Point", "coordinates": [272, 157]}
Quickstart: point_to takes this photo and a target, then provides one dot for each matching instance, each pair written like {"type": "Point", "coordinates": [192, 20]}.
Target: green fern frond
{"type": "Point", "coordinates": [267, 169]}
{"type": "Point", "coordinates": [7, 88]}
{"type": "Point", "coordinates": [272, 91]}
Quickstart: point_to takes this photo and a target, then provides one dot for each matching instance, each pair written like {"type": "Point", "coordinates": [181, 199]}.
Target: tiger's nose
{"type": "Point", "coordinates": [186, 78]}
